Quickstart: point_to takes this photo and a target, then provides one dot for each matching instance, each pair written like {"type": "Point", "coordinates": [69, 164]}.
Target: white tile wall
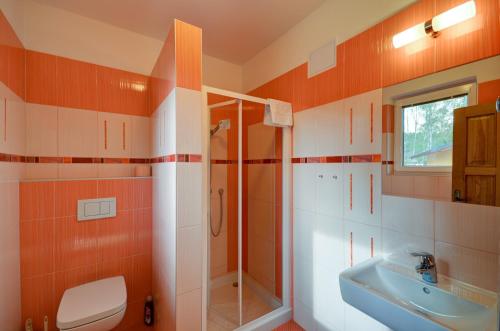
{"type": "Point", "coordinates": [398, 245]}
{"type": "Point", "coordinates": [304, 128]}
{"type": "Point", "coordinates": [189, 194]}
{"type": "Point", "coordinates": [117, 134]}
{"type": "Point", "coordinates": [188, 259]}
{"type": "Point", "coordinates": [12, 141]}
{"type": "Point", "coordinates": [321, 196]}
{"type": "Point", "coordinates": [366, 192]}
{"type": "Point", "coordinates": [188, 313]}
{"type": "Point", "coordinates": [10, 301]}
{"type": "Point", "coordinates": [471, 266]}
{"type": "Point", "coordinates": [41, 130]}
{"type": "Point", "coordinates": [141, 145]}
{"type": "Point", "coordinates": [319, 131]}
{"type": "Point", "coordinates": [366, 242]}
{"type": "Point", "coordinates": [408, 215]}
{"type": "Point", "coordinates": [16, 119]}
{"type": "Point", "coordinates": [163, 132]}
{"type": "Point", "coordinates": [77, 133]}
{"type": "Point", "coordinates": [329, 193]}
{"type": "Point", "coordinates": [465, 239]}
{"type": "Point", "coordinates": [467, 225]}
{"type": "Point", "coordinates": [329, 129]}
{"type": "Point", "coordinates": [177, 201]}
{"type": "Point", "coordinates": [362, 125]}
{"type": "Point", "coordinates": [304, 187]}
{"type": "Point", "coordinates": [188, 121]}
{"type": "Point", "coordinates": [58, 131]}
{"type": "Point", "coordinates": [356, 320]}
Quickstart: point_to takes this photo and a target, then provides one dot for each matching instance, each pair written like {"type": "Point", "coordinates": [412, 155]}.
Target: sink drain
{"type": "Point", "coordinates": [426, 290]}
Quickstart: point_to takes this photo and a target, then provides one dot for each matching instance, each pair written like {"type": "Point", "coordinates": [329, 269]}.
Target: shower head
{"type": "Point", "coordinates": [223, 124]}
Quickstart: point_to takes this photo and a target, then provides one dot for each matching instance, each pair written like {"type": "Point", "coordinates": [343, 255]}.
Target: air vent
{"type": "Point", "coordinates": [322, 59]}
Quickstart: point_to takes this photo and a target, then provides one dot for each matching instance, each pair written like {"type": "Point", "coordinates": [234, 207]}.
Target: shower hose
{"type": "Point", "coordinates": [216, 233]}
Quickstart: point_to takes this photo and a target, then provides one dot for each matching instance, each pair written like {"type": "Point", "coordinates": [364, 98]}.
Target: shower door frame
{"type": "Point", "coordinates": [283, 313]}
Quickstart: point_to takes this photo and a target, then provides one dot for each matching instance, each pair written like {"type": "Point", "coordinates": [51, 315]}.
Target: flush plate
{"type": "Point", "coordinates": [92, 209]}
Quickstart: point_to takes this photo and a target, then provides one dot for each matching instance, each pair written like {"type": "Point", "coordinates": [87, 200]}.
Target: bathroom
{"type": "Point", "coordinates": [208, 165]}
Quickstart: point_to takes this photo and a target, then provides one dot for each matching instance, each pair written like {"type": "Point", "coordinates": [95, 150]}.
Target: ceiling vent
{"type": "Point", "coordinates": [322, 59]}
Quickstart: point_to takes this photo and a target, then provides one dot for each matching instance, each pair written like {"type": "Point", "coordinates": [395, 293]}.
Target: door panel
{"type": "Point", "coordinates": [476, 160]}
{"type": "Point", "coordinates": [481, 145]}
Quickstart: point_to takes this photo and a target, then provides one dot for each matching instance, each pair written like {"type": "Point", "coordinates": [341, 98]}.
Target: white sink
{"type": "Point", "coordinates": [395, 296]}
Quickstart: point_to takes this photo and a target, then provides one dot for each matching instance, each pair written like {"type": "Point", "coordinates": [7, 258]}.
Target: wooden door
{"type": "Point", "coordinates": [476, 155]}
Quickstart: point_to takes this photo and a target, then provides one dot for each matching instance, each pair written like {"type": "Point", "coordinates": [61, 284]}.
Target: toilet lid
{"type": "Point", "coordinates": [91, 302]}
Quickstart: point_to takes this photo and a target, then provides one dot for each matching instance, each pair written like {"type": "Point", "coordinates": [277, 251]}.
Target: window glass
{"type": "Point", "coordinates": [428, 132]}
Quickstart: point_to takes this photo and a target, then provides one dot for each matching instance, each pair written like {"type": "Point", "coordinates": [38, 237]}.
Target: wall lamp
{"type": "Point", "coordinates": [438, 23]}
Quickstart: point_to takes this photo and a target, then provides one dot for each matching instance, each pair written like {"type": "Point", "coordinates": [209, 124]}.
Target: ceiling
{"type": "Point", "coordinates": [233, 30]}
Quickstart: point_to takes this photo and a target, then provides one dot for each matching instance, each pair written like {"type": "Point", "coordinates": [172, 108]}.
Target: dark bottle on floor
{"type": "Point", "coordinates": [149, 311]}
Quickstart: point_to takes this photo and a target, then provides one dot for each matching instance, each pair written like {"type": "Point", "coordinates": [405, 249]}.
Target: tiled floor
{"type": "Point", "coordinates": [289, 326]}
{"type": "Point", "coordinates": [223, 313]}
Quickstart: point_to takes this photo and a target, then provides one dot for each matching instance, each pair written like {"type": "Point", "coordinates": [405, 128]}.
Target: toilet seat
{"type": "Point", "coordinates": [101, 302]}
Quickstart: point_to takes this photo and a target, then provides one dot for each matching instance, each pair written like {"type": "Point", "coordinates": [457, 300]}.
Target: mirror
{"type": "Point", "coordinates": [438, 142]}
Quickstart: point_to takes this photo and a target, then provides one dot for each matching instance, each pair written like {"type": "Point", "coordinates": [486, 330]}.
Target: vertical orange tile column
{"type": "Point", "coordinates": [162, 78]}
{"type": "Point", "coordinates": [187, 56]}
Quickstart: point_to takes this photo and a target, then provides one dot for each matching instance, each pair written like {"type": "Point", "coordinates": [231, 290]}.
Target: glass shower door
{"type": "Point", "coordinates": [261, 214]}
{"type": "Point", "coordinates": [245, 257]}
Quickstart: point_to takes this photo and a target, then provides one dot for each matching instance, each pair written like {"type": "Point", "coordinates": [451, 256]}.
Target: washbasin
{"type": "Point", "coordinates": [396, 296]}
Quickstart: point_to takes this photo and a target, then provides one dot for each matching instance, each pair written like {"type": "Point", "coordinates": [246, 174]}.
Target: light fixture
{"type": "Point", "coordinates": [408, 36]}
{"type": "Point", "coordinates": [438, 23]}
{"type": "Point", "coordinates": [454, 16]}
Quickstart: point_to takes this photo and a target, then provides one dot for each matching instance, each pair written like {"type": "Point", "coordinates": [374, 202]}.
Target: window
{"type": "Point", "coordinates": [424, 129]}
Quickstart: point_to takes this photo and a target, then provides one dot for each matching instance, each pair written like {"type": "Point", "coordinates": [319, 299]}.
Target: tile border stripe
{"type": "Point", "coordinates": [181, 158]}
{"type": "Point", "coordinates": [369, 158]}
{"type": "Point", "coordinates": [255, 161]}
{"type": "Point", "coordinates": [98, 160]}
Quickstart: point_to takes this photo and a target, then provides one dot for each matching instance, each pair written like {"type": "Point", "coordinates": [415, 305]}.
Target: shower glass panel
{"type": "Point", "coordinates": [223, 294]}
{"type": "Point", "coordinates": [245, 256]}
{"type": "Point", "coordinates": [261, 224]}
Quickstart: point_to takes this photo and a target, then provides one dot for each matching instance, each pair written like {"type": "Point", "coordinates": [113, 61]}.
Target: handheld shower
{"type": "Point", "coordinates": [224, 124]}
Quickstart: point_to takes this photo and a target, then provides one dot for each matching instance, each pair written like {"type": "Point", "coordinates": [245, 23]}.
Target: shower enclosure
{"type": "Point", "coordinates": [246, 215]}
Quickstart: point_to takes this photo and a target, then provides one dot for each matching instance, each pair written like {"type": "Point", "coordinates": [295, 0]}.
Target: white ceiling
{"type": "Point", "coordinates": [233, 30]}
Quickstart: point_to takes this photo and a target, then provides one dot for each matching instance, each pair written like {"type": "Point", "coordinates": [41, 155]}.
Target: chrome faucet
{"type": "Point", "coordinates": [427, 267]}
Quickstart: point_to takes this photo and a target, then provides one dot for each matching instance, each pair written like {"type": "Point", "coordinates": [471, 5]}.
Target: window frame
{"type": "Point", "coordinates": [469, 89]}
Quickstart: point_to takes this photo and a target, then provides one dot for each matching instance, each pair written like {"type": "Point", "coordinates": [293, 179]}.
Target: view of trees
{"type": "Point", "coordinates": [428, 129]}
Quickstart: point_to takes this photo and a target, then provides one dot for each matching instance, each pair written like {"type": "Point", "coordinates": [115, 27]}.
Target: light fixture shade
{"type": "Point", "coordinates": [408, 36]}
{"type": "Point", "coordinates": [454, 16]}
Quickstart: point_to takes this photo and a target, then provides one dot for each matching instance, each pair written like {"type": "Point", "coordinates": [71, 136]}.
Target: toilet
{"type": "Point", "coordinates": [95, 306]}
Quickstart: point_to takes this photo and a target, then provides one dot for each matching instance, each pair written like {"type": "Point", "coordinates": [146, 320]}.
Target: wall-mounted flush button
{"type": "Point", "coordinates": [96, 208]}
{"type": "Point", "coordinates": [91, 209]}
{"type": "Point", "coordinates": [105, 207]}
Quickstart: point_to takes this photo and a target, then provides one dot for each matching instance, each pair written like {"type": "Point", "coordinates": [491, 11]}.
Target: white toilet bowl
{"type": "Point", "coordinates": [95, 306]}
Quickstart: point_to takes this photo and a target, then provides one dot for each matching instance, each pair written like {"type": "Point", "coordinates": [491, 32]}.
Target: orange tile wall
{"type": "Point", "coordinates": [489, 91]}
{"type": "Point", "coordinates": [188, 55]}
{"type": "Point", "coordinates": [162, 79]}
{"type": "Point", "coordinates": [57, 81]}
{"type": "Point", "coordinates": [368, 61]}
{"type": "Point", "coordinates": [57, 252]}
{"type": "Point", "coordinates": [178, 64]}
{"type": "Point", "coordinates": [12, 58]}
